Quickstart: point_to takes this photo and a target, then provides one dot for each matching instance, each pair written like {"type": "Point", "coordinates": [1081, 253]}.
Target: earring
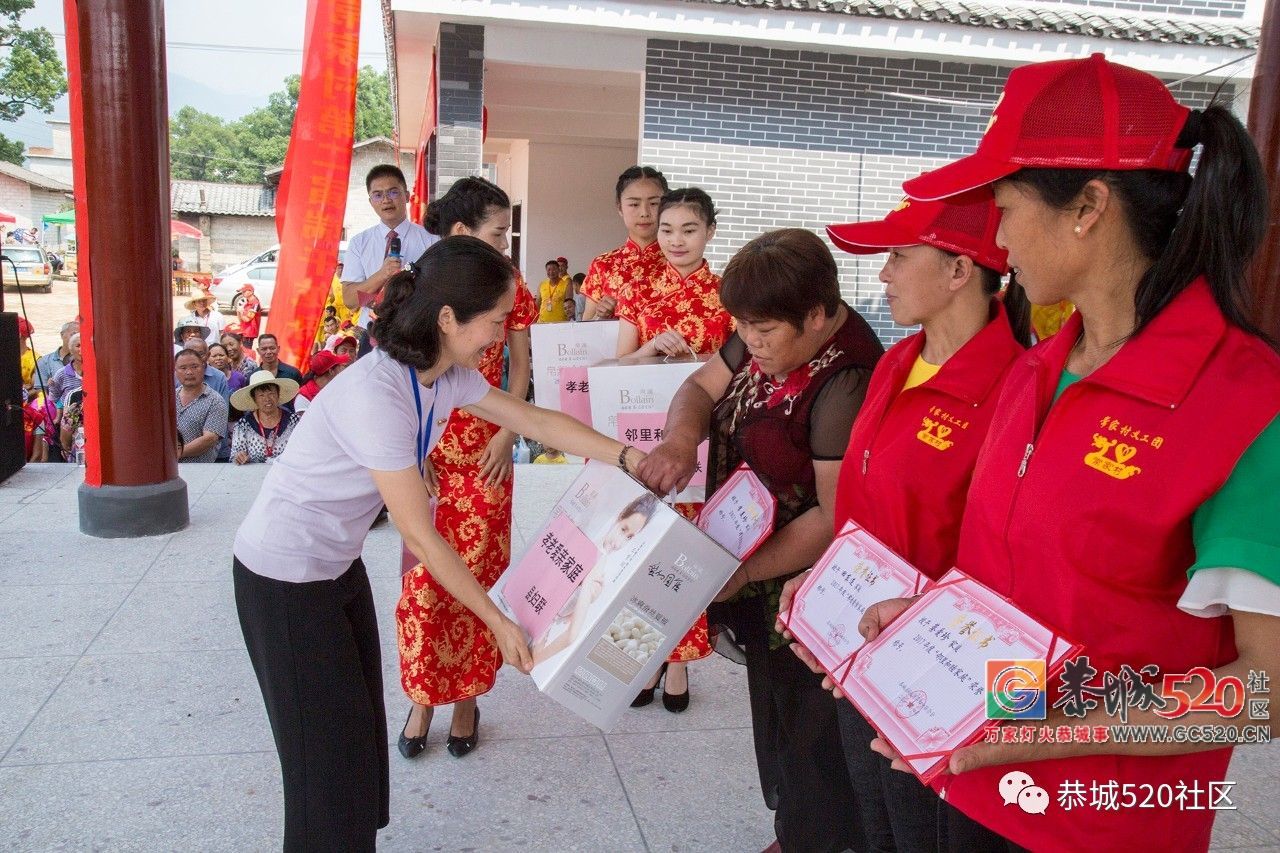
{"type": "Point", "coordinates": [1077, 229]}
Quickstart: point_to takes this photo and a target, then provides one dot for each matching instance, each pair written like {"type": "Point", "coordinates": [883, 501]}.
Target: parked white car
{"type": "Point", "coordinates": [229, 289]}
{"type": "Point", "coordinates": [259, 271]}
{"type": "Point", "coordinates": [32, 266]}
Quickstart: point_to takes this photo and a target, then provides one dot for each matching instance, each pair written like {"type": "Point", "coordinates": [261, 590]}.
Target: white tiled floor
{"type": "Point", "coordinates": [130, 718]}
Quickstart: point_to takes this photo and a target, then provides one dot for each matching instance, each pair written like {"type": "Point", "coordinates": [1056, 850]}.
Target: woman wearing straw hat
{"type": "Point", "coordinates": [203, 308]}
{"type": "Point", "coordinates": [263, 432]}
{"type": "Point", "coordinates": [302, 592]}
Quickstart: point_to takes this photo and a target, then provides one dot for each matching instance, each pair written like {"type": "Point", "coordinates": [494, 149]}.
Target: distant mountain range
{"type": "Point", "coordinates": [32, 130]}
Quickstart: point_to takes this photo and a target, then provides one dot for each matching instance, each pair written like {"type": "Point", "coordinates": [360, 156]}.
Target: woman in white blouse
{"type": "Point", "coordinates": [301, 589]}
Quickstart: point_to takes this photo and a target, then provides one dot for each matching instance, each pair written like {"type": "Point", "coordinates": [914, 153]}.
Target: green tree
{"type": "Point", "coordinates": [204, 147]}
{"type": "Point", "coordinates": [31, 75]}
{"type": "Point", "coordinates": [373, 105]}
{"type": "Point", "coordinates": [11, 150]}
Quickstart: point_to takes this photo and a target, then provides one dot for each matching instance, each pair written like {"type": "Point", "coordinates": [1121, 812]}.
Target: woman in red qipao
{"type": "Point", "coordinates": [638, 193]}
{"type": "Point", "coordinates": [1125, 494]}
{"type": "Point", "coordinates": [447, 656]}
{"type": "Point", "coordinates": [677, 312]}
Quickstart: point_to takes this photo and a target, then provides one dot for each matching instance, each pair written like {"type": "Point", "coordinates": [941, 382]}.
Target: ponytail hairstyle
{"type": "Point", "coordinates": [693, 197]}
{"type": "Point", "coordinates": [465, 273]}
{"type": "Point", "coordinates": [1210, 225]}
{"type": "Point", "coordinates": [638, 173]}
{"type": "Point", "coordinates": [1016, 305]}
{"type": "Point", "coordinates": [469, 201]}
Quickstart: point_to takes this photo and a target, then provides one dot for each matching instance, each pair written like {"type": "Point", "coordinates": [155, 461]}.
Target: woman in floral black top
{"type": "Point", "coordinates": [781, 397]}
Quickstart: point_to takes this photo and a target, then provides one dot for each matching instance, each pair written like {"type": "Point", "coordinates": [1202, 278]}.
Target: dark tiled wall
{"type": "Point", "coordinates": [461, 58]}
{"type": "Point", "coordinates": [1198, 8]}
{"type": "Point", "coordinates": [805, 139]}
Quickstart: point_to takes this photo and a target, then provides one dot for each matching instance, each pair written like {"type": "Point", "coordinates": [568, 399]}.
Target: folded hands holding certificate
{"type": "Point", "coordinates": [911, 654]}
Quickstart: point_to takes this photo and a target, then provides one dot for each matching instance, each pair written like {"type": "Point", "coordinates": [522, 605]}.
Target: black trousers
{"type": "Point", "coordinates": [898, 812]}
{"type": "Point", "coordinates": [959, 833]}
{"type": "Point", "coordinates": [314, 647]}
{"type": "Point", "coordinates": [801, 764]}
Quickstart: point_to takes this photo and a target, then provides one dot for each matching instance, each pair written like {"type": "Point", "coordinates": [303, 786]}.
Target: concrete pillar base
{"type": "Point", "coordinates": [119, 512]}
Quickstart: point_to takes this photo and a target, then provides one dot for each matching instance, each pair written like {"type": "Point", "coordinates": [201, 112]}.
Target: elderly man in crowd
{"type": "Point", "coordinates": [213, 377]}
{"type": "Point", "coordinates": [48, 365]}
{"type": "Point", "coordinates": [202, 413]}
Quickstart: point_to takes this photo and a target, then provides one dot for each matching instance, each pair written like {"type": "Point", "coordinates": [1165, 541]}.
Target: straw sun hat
{"type": "Point", "coordinates": [243, 398]}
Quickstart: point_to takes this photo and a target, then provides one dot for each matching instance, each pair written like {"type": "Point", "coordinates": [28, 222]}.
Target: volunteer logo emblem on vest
{"type": "Point", "coordinates": [1118, 466]}
{"type": "Point", "coordinates": [934, 434]}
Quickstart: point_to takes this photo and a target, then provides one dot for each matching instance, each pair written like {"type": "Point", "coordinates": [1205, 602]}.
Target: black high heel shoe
{"type": "Point", "coordinates": [460, 746]}
{"type": "Point", "coordinates": [411, 747]}
{"type": "Point", "coordinates": [677, 702]}
{"type": "Point", "coordinates": [645, 696]}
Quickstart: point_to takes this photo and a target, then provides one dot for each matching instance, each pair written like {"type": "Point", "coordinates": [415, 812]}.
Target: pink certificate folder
{"type": "Point", "coordinates": [922, 683]}
{"type": "Point", "coordinates": [740, 515]}
{"type": "Point", "coordinates": [855, 572]}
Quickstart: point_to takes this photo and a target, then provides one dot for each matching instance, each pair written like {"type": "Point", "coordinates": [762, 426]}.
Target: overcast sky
{"type": "Point", "coordinates": [216, 56]}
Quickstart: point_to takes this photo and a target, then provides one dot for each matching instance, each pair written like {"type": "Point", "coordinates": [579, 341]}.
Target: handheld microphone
{"type": "Point", "coordinates": [393, 249]}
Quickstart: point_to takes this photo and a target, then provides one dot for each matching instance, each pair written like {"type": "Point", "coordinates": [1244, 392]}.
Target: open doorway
{"type": "Point", "coordinates": [558, 138]}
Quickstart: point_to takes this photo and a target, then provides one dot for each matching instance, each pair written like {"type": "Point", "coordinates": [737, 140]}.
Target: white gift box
{"type": "Point", "coordinates": [562, 352]}
{"type": "Point", "coordinates": [629, 401]}
{"type": "Point", "coordinates": [606, 591]}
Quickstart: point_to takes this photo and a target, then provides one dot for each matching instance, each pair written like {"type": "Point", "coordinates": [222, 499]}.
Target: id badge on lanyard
{"type": "Point", "coordinates": [424, 431]}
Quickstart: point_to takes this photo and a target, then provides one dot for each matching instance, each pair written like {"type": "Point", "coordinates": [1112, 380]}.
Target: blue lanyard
{"type": "Point", "coordinates": [424, 430]}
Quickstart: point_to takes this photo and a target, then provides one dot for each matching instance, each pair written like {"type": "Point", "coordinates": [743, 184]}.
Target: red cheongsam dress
{"type": "Point", "coordinates": [690, 306]}
{"type": "Point", "coordinates": [446, 653]}
{"type": "Point", "coordinates": [614, 270]}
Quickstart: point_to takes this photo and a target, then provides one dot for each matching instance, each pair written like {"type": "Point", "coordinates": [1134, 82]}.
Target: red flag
{"type": "Point", "coordinates": [421, 187]}
{"type": "Point", "coordinates": [313, 189]}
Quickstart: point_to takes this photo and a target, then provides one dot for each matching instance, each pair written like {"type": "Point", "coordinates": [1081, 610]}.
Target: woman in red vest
{"type": "Point", "coordinates": [1125, 495]}
{"type": "Point", "coordinates": [912, 449]}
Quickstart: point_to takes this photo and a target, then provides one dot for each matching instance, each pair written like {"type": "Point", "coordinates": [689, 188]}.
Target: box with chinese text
{"type": "Point", "coordinates": [562, 352]}
{"type": "Point", "coordinates": [607, 589]}
{"type": "Point", "coordinates": [629, 401]}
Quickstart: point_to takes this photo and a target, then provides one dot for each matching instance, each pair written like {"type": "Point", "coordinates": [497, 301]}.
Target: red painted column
{"type": "Point", "coordinates": [121, 148]}
{"type": "Point", "coordinates": [1264, 126]}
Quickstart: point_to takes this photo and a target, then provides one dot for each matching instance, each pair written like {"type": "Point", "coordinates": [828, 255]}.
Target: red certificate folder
{"type": "Point", "coordinates": [923, 681]}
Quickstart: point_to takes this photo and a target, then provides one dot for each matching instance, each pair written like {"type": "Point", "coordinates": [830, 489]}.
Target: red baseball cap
{"type": "Point", "coordinates": [324, 361]}
{"type": "Point", "coordinates": [25, 329]}
{"type": "Point", "coordinates": [338, 340]}
{"type": "Point", "coordinates": [1069, 114]}
{"type": "Point", "coordinates": [965, 225]}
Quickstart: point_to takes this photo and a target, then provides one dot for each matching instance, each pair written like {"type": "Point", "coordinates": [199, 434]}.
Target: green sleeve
{"type": "Point", "coordinates": [1239, 527]}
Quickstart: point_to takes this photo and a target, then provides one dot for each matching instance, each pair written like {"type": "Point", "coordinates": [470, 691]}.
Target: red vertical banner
{"type": "Point", "coordinates": [421, 181]}
{"type": "Point", "coordinates": [313, 189]}
{"type": "Point", "coordinates": [93, 444]}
